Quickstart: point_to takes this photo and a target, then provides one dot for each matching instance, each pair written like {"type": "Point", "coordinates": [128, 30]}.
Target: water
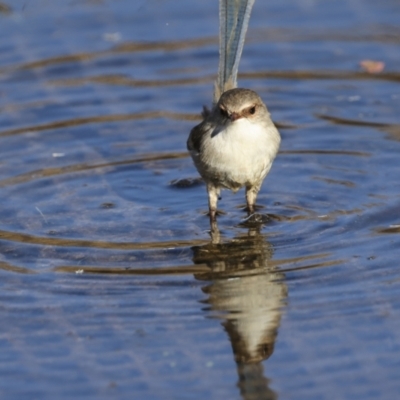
{"type": "Point", "coordinates": [110, 285]}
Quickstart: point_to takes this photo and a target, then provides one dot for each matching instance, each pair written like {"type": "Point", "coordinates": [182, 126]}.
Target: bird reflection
{"type": "Point", "coordinates": [247, 293]}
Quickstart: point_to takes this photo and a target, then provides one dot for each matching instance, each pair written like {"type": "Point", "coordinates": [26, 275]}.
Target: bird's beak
{"type": "Point", "coordinates": [234, 116]}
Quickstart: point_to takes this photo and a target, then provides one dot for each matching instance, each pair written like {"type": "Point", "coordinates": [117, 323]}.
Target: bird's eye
{"type": "Point", "coordinates": [252, 110]}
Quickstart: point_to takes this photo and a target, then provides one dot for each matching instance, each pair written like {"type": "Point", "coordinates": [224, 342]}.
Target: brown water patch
{"type": "Point", "coordinates": [388, 231]}
{"type": "Point", "coordinates": [100, 119]}
{"type": "Point", "coordinates": [178, 270]}
{"type": "Point", "coordinates": [322, 75]}
{"type": "Point", "coordinates": [352, 122]}
{"type": "Point", "coordinates": [328, 152]}
{"type": "Point", "coordinates": [51, 241]}
{"type": "Point", "coordinates": [121, 80]}
{"type": "Point", "coordinates": [48, 172]}
{"type": "Point", "coordinates": [335, 181]}
{"type": "Point", "coordinates": [5, 266]}
{"type": "Point", "coordinates": [129, 47]}
{"type": "Point", "coordinates": [285, 265]}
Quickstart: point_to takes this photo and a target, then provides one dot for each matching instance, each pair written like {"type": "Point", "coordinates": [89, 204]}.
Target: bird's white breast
{"type": "Point", "coordinates": [242, 152]}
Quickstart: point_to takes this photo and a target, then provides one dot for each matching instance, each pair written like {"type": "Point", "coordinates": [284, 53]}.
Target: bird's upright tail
{"type": "Point", "coordinates": [234, 18]}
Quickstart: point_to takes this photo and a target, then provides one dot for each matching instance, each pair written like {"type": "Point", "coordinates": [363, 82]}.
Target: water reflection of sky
{"type": "Point", "coordinates": [110, 286]}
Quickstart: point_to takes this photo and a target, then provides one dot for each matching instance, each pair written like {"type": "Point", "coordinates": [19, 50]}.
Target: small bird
{"type": "Point", "coordinates": [235, 144]}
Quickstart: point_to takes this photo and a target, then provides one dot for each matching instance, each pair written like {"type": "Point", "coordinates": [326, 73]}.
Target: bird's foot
{"type": "Point", "coordinates": [256, 219]}
{"type": "Point", "coordinates": [217, 213]}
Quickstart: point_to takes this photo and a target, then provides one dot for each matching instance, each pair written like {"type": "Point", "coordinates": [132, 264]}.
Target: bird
{"type": "Point", "coordinates": [236, 143]}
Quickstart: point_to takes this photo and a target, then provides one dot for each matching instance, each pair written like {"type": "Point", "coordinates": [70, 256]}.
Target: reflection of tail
{"type": "Point", "coordinates": [252, 383]}
{"type": "Point", "coordinates": [234, 18]}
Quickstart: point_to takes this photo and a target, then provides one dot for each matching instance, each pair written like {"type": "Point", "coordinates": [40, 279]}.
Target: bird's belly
{"type": "Point", "coordinates": [233, 171]}
{"type": "Point", "coordinates": [239, 157]}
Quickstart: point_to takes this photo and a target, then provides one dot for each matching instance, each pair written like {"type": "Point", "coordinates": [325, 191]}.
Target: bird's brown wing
{"type": "Point", "coordinates": [196, 137]}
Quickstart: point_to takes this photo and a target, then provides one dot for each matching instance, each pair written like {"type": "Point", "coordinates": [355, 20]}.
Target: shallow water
{"type": "Point", "coordinates": [110, 284]}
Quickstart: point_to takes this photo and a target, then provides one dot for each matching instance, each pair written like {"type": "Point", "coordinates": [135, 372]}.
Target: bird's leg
{"type": "Point", "coordinates": [215, 234]}
{"type": "Point", "coordinates": [251, 195]}
{"type": "Point", "coordinates": [213, 194]}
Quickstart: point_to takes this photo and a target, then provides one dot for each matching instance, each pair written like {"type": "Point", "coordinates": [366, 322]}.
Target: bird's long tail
{"type": "Point", "coordinates": [234, 18]}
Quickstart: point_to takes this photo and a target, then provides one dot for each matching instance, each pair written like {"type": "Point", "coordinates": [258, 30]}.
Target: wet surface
{"type": "Point", "coordinates": [111, 286]}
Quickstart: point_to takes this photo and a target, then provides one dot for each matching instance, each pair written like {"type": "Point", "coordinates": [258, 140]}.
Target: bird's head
{"type": "Point", "coordinates": [239, 103]}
